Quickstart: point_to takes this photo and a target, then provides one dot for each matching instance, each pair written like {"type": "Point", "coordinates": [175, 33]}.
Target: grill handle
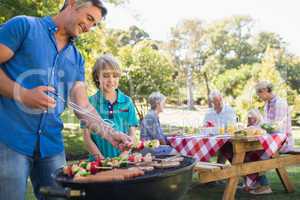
{"type": "Point", "coordinates": [66, 193]}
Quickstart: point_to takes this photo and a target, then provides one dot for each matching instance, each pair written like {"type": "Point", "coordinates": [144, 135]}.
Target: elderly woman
{"type": "Point", "coordinates": [150, 126]}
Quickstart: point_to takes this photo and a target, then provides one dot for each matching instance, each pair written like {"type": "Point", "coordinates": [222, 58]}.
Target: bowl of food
{"type": "Point", "coordinates": [271, 127]}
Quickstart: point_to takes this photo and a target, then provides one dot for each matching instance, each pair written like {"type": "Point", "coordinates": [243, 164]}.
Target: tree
{"type": "Point", "coordinates": [11, 8]}
{"type": "Point", "coordinates": [229, 40]}
{"type": "Point", "coordinates": [185, 41]}
{"type": "Point", "coordinates": [118, 38]}
{"type": "Point", "coordinates": [146, 70]}
{"type": "Point", "coordinates": [266, 40]}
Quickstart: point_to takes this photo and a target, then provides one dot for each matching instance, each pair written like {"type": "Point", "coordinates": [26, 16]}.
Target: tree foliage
{"type": "Point", "coordinates": [145, 70]}
{"type": "Point", "coordinates": [184, 44]}
{"type": "Point", "coordinates": [11, 8]}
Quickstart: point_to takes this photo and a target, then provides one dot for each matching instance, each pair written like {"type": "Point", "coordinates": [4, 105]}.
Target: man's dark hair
{"type": "Point", "coordinates": [96, 3]}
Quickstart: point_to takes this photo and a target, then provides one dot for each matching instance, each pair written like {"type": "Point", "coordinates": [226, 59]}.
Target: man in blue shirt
{"type": "Point", "coordinates": [37, 57]}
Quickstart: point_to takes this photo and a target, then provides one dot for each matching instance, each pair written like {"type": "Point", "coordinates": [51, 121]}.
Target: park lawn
{"type": "Point", "coordinates": [215, 192]}
{"type": "Point", "coordinates": [75, 150]}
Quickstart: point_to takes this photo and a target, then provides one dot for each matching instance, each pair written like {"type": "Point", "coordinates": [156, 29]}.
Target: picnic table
{"type": "Point", "coordinates": [202, 148]}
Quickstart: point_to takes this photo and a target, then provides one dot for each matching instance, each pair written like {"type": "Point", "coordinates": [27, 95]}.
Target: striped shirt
{"type": "Point", "coordinates": [277, 110]}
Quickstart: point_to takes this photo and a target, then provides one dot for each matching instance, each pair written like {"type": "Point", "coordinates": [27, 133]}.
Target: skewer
{"type": "Point", "coordinates": [104, 167]}
{"type": "Point", "coordinates": [169, 159]}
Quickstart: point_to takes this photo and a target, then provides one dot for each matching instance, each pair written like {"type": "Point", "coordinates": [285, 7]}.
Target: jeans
{"type": "Point", "coordinates": [263, 180]}
{"type": "Point", "coordinates": [15, 168]}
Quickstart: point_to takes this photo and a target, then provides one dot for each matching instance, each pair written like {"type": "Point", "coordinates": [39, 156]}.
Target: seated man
{"type": "Point", "coordinates": [221, 114]}
{"type": "Point", "coordinates": [150, 126]}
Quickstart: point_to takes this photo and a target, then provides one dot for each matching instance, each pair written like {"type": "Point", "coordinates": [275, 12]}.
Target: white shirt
{"type": "Point", "coordinates": [223, 118]}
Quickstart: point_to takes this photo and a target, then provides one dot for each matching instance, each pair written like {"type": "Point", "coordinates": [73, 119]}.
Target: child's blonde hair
{"type": "Point", "coordinates": [105, 62]}
{"type": "Point", "coordinates": [255, 114]}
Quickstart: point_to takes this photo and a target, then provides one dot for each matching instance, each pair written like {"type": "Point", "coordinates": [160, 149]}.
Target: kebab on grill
{"type": "Point", "coordinates": [140, 145]}
{"type": "Point", "coordinates": [85, 168]}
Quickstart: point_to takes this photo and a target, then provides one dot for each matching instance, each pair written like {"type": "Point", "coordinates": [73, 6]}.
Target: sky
{"type": "Point", "coordinates": [156, 17]}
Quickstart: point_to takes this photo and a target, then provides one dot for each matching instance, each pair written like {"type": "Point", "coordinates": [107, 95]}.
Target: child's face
{"type": "Point", "coordinates": [109, 80]}
{"type": "Point", "coordinates": [252, 121]}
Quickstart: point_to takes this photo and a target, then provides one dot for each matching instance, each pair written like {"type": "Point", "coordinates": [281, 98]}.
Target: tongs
{"type": "Point", "coordinates": [81, 110]}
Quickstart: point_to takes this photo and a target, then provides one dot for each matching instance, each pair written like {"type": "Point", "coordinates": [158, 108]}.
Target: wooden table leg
{"type": "Point", "coordinates": [284, 178]}
{"type": "Point", "coordinates": [238, 157]}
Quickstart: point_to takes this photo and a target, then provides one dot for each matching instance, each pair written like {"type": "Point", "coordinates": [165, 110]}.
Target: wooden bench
{"type": "Point", "coordinates": [204, 167]}
{"type": "Point", "coordinates": [213, 171]}
{"type": "Point", "coordinates": [209, 172]}
{"type": "Point", "coordinates": [295, 151]}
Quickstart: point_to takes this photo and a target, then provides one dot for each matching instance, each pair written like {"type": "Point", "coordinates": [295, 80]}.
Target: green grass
{"type": "Point", "coordinates": [75, 150]}
{"type": "Point", "coordinates": [210, 191]}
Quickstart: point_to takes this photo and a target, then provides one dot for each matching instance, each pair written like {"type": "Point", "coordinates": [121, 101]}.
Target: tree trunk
{"type": "Point", "coordinates": [207, 89]}
{"type": "Point", "coordinates": [190, 101]}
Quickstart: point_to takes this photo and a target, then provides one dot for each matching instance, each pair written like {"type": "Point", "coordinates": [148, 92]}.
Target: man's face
{"type": "Point", "coordinates": [263, 94]}
{"type": "Point", "coordinates": [217, 102]}
{"type": "Point", "coordinates": [81, 20]}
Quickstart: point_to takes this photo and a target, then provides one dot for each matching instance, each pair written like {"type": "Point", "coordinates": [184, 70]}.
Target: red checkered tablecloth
{"type": "Point", "coordinates": [203, 148]}
{"type": "Point", "coordinates": [199, 147]}
{"type": "Point", "coordinates": [271, 144]}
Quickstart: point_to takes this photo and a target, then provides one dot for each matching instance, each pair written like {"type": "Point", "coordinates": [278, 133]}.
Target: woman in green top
{"type": "Point", "coordinates": [113, 106]}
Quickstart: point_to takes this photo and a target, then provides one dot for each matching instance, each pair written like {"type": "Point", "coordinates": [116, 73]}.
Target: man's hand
{"type": "Point", "coordinates": [117, 139]}
{"type": "Point", "coordinates": [36, 97]}
{"type": "Point", "coordinates": [120, 140]}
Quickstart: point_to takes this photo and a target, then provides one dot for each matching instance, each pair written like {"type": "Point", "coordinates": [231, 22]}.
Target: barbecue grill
{"type": "Point", "coordinates": [159, 184]}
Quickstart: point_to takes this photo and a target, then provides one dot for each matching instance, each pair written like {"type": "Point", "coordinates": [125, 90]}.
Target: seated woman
{"type": "Point", "coordinates": [255, 119]}
{"type": "Point", "coordinates": [150, 126]}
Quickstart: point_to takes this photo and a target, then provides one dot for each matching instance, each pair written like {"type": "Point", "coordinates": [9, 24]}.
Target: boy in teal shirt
{"type": "Point", "coordinates": [113, 106]}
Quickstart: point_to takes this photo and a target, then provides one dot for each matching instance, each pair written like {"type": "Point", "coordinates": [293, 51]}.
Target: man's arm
{"type": "Point", "coordinates": [34, 98]}
{"type": "Point", "coordinates": [92, 120]}
{"type": "Point", "coordinates": [6, 53]}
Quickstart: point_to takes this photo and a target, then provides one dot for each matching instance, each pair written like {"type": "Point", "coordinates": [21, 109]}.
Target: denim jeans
{"type": "Point", "coordinates": [263, 180]}
{"type": "Point", "coordinates": [16, 168]}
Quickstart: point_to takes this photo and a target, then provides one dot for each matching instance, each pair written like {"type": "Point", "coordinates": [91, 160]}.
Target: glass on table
{"type": "Point", "coordinates": [221, 128]}
{"type": "Point", "coordinates": [231, 128]}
